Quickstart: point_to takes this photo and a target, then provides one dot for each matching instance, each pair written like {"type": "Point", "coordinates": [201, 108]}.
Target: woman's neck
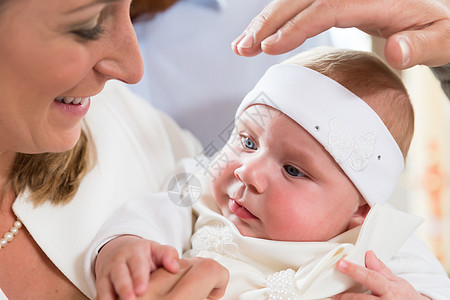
{"type": "Point", "coordinates": [6, 163]}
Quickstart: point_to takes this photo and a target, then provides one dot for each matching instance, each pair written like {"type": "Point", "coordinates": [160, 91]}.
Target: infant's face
{"type": "Point", "coordinates": [276, 181]}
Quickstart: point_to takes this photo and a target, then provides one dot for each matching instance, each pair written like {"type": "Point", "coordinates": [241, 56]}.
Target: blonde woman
{"type": "Point", "coordinates": [60, 179]}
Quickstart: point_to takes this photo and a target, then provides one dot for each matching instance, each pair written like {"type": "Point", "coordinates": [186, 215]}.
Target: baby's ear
{"type": "Point", "coordinates": [359, 216]}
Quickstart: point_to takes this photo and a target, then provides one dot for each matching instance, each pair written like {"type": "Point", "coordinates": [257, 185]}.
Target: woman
{"type": "Point", "coordinates": [54, 57]}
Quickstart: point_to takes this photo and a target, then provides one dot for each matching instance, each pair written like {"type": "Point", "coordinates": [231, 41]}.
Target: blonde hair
{"type": "Point", "coordinates": [53, 177]}
{"type": "Point", "coordinates": [368, 77]}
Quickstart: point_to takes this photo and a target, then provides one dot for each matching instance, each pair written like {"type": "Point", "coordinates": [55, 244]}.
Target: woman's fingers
{"type": "Point", "coordinates": [205, 279]}
{"type": "Point", "coordinates": [196, 279]}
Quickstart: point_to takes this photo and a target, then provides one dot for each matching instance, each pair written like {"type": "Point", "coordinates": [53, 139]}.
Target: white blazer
{"type": "Point", "coordinates": [137, 147]}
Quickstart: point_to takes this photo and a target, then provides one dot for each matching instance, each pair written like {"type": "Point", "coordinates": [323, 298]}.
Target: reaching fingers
{"type": "Point", "coordinates": [285, 24]}
{"type": "Point", "coordinates": [372, 280]}
{"type": "Point", "coordinates": [273, 17]}
{"type": "Point", "coordinates": [424, 46]}
{"type": "Point", "coordinates": [416, 30]}
{"type": "Point", "coordinates": [304, 25]}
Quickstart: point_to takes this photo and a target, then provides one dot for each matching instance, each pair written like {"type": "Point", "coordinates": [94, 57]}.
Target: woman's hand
{"type": "Point", "coordinates": [417, 31]}
{"type": "Point", "coordinates": [378, 279]}
{"type": "Point", "coordinates": [197, 279]}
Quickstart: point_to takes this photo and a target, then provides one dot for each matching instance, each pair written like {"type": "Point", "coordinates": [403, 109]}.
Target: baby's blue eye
{"type": "Point", "coordinates": [248, 143]}
{"type": "Point", "coordinates": [293, 171]}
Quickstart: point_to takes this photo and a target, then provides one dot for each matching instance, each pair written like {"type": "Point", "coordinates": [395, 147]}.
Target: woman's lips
{"type": "Point", "coordinates": [240, 211]}
{"type": "Point", "coordinates": [71, 109]}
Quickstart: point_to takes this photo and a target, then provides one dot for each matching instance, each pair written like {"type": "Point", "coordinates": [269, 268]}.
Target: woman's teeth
{"type": "Point", "coordinates": [72, 100]}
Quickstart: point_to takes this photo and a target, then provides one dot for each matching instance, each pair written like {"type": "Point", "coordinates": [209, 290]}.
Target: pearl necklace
{"type": "Point", "coordinates": [10, 234]}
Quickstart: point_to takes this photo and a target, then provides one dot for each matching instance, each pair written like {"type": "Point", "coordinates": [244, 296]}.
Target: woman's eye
{"type": "Point", "coordinates": [248, 143]}
{"type": "Point", "coordinates": [293, 171]}
{"type": "Point", "coordinates": [91, 30]}
{"type": "Point", "coordinates": [91, 33]}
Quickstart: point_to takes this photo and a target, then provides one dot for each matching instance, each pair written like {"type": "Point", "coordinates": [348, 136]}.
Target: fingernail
{"type": "Point", "coordinates": [272, 39]}
{"type": "Point", "coordinates": [343, 265]}
{"type": "Point", "coordinates": [404, 48]}
{"type": "Point", "coordinates": [238, 39]}
{"type": "Point", "coordinates": [247, 41]}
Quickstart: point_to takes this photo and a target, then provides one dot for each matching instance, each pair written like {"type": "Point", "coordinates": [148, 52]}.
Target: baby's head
{"type": "Point", "coordinates": [308, 158]}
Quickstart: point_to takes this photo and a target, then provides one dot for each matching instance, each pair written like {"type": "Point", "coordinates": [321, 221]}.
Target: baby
{"type": "Point", "coordinates": [316, 151]}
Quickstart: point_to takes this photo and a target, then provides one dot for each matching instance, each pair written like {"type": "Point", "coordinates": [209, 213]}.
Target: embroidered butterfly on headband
{"type": "Point", "coordinates": [342, 146]}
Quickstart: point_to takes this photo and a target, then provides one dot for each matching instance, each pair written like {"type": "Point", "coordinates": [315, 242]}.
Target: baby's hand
{"type": "Point", "coordinates": [379, 279]}
{"type": "Point", "coordinates": [124, 265]}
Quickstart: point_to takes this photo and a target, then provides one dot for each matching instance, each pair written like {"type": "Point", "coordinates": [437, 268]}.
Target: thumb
{"type": "Point", "coordinates": [427, 46]}
{"type": "Point", "coordinates": [165, 256]}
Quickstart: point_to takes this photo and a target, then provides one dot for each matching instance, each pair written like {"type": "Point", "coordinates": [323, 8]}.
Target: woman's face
{"type": "Point", "coordinates": [57, 51]}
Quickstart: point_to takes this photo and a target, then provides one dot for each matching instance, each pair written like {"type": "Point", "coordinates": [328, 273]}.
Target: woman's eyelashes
{"type": "Point", "coordinates": [293, 171]}
{"type": "Point", "coordinates": [91, 31]}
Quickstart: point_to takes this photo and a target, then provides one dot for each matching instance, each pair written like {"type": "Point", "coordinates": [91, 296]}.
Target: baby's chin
{"type": "Point", "coordinates": [244, 228]}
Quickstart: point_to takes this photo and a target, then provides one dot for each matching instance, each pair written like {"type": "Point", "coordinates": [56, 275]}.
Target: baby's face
{"type": "Point", "coordinates": [275, 181]}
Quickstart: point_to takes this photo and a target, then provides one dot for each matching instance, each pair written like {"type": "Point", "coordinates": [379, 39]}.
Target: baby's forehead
{"type": "Point", "coordinates": [265, 122]}
{"type": "Point", "coordinates": [259, 114]}
{"type": "Point", "coordinates": [263, 115]}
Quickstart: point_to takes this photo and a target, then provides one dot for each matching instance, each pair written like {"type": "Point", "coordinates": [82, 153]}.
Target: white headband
{"type": "Point", "coordinates": [343, 123]}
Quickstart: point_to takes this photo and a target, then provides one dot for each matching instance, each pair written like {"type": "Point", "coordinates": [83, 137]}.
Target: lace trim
{"type": "Point", "coordinates": [216, 239]}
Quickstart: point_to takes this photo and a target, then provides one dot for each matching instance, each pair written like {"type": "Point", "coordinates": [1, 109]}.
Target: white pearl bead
{"type": "Point", "coordinates": [9, 236]}
{"type": "Point", "coordinates": [17, 224]}
{"type": "Point", "coordinates": [14, 230]}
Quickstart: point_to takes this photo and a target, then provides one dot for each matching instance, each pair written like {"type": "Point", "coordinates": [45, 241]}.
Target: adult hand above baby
{"type": "Point", "coordinates": [379, 279]}
{"type": "Point", "coordinates": [417, 31]}
{"type": "Point", "coordinates": [197, 279]}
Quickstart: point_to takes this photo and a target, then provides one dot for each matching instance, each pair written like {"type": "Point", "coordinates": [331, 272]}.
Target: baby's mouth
{"type": "Point", "coordinates": [240, 210]}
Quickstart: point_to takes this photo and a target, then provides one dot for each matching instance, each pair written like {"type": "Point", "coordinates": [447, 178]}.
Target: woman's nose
{"type": "Point", "coordinates": [122, 58]}
{"type": "Point", "coordinates": [254, 174]}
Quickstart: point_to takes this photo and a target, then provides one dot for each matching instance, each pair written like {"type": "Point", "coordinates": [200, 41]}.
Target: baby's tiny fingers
{"type": "Point", "coordinates": [375, 264]}
{"type": "Point", "coordinates": [121, 280]}
{"type": "Point", "coordinates": [105, 289]}
{"type": "Point", "coordinates": [170, 260]}
{"type": "Point", "coordinates": [139, 268]}
{"type": "Point", "coordinates": [372, 280]}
